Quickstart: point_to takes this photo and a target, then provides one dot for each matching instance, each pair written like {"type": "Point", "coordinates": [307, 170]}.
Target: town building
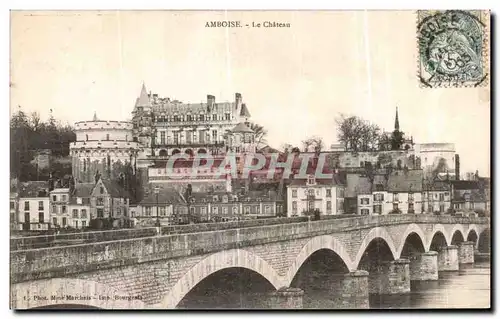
{"type": "Point", "coordinates": [79, 205]}
{"type": "Point", "coordinates": [161, 204]}
{"type": "Point", "coordinates": [59, 207]}
{"type": "Point", "coordinates": [403, 193]}
{"type": "Point", "coordinates": [34, 211]}
{"type": "Point", "coordinates": [109, 205]}
{"type": "Point", "coordinates": [14, 204]}
{"type": "Point", "coordinates": [233, 206]}
{"type": "Point", "coordinates": [309, 194]}
{"type": "Point", "coordinates": [437, 196]}
{"type": "Point", "coordinates": [469, 196]}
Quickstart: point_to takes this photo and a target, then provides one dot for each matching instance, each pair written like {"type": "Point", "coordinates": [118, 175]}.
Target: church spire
{"type": "Point", "coordinates": [396, 122]}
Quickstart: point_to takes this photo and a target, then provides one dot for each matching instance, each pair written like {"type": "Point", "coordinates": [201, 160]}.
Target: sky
{"type": "Point", "coordinates": [295, 81]}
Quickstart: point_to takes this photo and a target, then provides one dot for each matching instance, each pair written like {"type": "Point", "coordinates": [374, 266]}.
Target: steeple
{"type": "Point", "coordinates": [396, 122]}
{"type": "Point", "coordinates": [95, 117]}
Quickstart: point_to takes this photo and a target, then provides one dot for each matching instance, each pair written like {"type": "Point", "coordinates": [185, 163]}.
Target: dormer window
{"type": "Point", "coordinates": [311, 180]}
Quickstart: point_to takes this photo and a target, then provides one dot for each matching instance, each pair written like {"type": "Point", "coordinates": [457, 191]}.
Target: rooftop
{"type": "Point", "coordinates": [33, 189]}
{"type": "Point", "coordinates": [405, 181]}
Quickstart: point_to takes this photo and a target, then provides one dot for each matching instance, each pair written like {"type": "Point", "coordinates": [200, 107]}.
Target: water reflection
{"type": "Point", "coordinates": [467, 288]}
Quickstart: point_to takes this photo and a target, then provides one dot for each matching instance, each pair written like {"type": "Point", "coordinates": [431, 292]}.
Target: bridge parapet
{"type": "Point", "coordinates": [61, 261]}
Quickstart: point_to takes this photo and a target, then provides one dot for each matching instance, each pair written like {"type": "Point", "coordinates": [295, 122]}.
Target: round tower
{"type": "Point", "coordinates": [103, 147]}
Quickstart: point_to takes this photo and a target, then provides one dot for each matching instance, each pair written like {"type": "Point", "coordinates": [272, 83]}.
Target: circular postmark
{"type": "Point", "coordinates": [450, 47]}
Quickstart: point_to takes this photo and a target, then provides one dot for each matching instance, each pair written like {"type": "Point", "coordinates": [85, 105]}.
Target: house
{"type": "Point", "coordinates": [109, 204]}
{"type": "Point", "coordinates": [79, 205]}
{"type": "Point", "coordinates": [34, 211]}
{"type": "Point", "coordinates": [436, 196]}
{"type": "Point", "coordinates": [358, 194]}
{"type": "Point", "coordinates": [306, 195]}
{"type": "Point", "coordinates": [468, 196]}
{"type": "Point", "coordinates": [59, 210]}
{"type": "Point", "coordinates": [14, 207]}
{"type": "Point", "coordinates": [232, 206]}
{"type": "Point", "coordinates": [404, 192]}
{"type": "Point", "coordinates": [161, 204]}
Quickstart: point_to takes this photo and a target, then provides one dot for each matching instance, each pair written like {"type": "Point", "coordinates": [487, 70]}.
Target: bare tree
{"type": "Point", "coordinates": [315, 142]}
{"type": "Point", "coordinates": [357, 134]}
{"type": "Point", "coordinates": [260, 133]}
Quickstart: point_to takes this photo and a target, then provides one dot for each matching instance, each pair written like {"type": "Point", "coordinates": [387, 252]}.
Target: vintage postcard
{"type": "Point", "coordinates": [250, 160]}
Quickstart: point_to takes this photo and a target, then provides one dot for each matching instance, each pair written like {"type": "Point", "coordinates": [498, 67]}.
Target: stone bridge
{"type": "Point", "coordinates": [369, 254]}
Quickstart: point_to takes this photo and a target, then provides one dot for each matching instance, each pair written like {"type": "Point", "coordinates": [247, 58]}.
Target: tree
{"type": "Point", "coordinates": [260, 133]}
{"type": "Point", "coordinates": [28, 135]}
{"type": "Point", "coordinates": [315, 142]}
{"type": "Point", "coordinates": [357, 134]}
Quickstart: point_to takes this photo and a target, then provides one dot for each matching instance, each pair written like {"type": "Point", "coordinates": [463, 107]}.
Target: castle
{"type": "Point", "coordinates": [160, 128]}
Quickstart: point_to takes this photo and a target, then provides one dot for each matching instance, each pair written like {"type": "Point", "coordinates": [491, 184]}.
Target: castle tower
{"type": "Point", "coordinates": [142, 118]}
{"type": "Point", "coordinates": [102, 147]}
{"type": "Point", "coordinates": [241, 139]}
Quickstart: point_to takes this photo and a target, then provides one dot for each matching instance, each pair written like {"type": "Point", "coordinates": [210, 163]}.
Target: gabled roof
{"type": "Point", "coordinates": [409, 181]}
{"type": "Point", "coordinates": [242, 128]}
{"type": "Point", "coordinates": [33, 189]}
{"type": "Point", "coordinates": [83, 189]}
{"type": "Point", "coordinates": [114, 189]}
{"type": "Point", "coordinates": [244, 111]}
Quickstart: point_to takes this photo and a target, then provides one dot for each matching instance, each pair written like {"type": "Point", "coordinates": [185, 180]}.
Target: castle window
{"type": "Point", "coordinates": [189, 118]}
{"type": "Point", "coordinates": [228, 116]}
{"type": "Point", "coordinates": [214, 135]}
{"type": "Point", "coordinates": [202, 117]}
{"type": "Point", "coordinates": [107, 137]}
{"type": "Point", "coordinates": [176, 118]}
{"type": "Point", "coordinates": [214, 117]}
{"type": "Point", "coordinates": [86, 137]}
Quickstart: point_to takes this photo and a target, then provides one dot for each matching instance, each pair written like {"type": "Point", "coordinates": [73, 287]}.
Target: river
{"type": "Point", "coordinates": [467, 288]}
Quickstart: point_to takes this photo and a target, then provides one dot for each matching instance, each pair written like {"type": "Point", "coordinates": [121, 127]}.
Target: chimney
{"type": "Point", "coordinates": [457, 167]}
{"type": "Point", "coordinates": [210, 100]}
{"type": "Point", "coordinates": [237, 99]}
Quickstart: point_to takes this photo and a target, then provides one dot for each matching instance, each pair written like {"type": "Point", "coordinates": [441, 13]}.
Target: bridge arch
{"type": "Point", "coordinates": [377, 232]}
{"type": "Point", "coordinates": [411, 229]}
{"type": "Point", "coordinates": [218, 261]}
{"type": "Point", "coordinates": [312, 246]}
{"type": "Point", "coordinates": [437, 229]}
{"type": "Point", "coordinates": [472, 234]}
{"type": "Point", "coordinates": [26, 295]}
{"type": "Point", "coordinates": [457, 233]}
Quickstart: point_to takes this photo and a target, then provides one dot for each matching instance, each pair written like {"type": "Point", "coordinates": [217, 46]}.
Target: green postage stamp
{"type": "Point", "coordinates": [453, 48]}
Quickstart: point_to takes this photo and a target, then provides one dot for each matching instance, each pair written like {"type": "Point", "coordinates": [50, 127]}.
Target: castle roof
{"type": "Point", "coordinates": [242, 128]}
{"type": "Point", "coordinates": [143, 99]}
{"type": "Point", "coordinates": [244, 111]}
